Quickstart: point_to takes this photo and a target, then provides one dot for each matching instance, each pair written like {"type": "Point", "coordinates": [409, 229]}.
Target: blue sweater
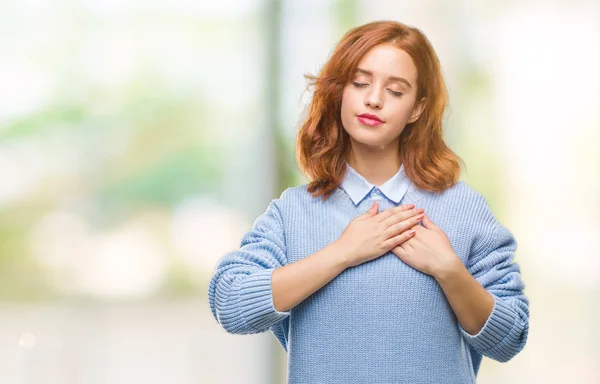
{"type": "Point", "coordinates": [381, 321]}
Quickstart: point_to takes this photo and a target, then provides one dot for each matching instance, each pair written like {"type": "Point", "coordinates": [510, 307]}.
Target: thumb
{"type": "Point", "coordinates": [427, 223]}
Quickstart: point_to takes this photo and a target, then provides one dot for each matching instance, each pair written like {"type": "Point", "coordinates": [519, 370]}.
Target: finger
{"type": "Point", "coordinates": [398, 239]}
{"type": "Point", "coordinates": [390, 212]}
{"type": "Point", "coordinates": [427, 223]}
{"type": "Point", "coordinates": [403, 253]}
{"type": "Point", "coordinates": [399, 251]}
{"type": "Point", "coordinates": [394, 226]}
{"type": "Point", "coordinates": [373, 210]}
{"type": "Point", "coordinates": [401, 216]}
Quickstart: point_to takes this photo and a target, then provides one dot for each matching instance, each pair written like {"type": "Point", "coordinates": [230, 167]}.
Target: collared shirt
{"type": "Point", "coordinates": [357, 187]}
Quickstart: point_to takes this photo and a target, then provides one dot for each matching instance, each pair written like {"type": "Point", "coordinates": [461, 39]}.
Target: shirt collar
{"type": "Point", "coordinates": [357, 187]}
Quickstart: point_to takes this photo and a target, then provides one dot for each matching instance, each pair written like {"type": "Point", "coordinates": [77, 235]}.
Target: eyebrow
{"type": "Point", "coordinates": [393, 78]}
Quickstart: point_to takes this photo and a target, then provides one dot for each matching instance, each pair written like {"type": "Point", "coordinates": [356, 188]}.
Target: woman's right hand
{"type": "Point", "coordinates": [374, 233]}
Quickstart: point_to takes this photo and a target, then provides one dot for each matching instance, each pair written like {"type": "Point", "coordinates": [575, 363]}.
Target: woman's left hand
{"type": "Point", "coordinates": [429, 250]}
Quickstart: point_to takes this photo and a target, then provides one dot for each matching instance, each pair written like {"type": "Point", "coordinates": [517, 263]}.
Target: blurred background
{"type": "Point", "coordinates": [140, 139]}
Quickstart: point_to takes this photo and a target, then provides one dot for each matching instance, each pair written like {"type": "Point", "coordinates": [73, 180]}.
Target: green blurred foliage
{"type": "Point", "coordinates": [165, 158]}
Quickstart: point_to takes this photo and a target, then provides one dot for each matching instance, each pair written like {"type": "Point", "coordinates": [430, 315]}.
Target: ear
{"type": "Point", "coordinates": [417, 110]}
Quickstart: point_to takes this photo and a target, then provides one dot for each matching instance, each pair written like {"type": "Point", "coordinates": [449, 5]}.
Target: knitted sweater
{"type": "Point", "coordinates": [381, 321]}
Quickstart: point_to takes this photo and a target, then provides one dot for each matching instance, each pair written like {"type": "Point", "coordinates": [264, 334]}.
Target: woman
{"type": "Point", "coordinates": [357, 283]}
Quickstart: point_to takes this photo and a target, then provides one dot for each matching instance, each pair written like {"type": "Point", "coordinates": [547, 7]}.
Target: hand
{"type": "Point", "coordinates": [372, 234]}
{"type": "Point", "coordinates": [429, 250]}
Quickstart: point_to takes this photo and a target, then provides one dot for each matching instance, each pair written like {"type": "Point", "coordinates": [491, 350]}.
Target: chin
{"type": "Point", "coordinates": [371, 140]}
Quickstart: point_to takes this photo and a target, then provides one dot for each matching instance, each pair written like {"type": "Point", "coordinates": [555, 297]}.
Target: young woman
{"type": "Point", "coordinates": [384, 268]}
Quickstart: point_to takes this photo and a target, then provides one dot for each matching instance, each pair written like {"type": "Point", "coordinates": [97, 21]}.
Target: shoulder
{"type": "Point", "coordinates": [460, 194]}
{"type": "Point", "coordinates": [296, 196]}
{"type": "Point", "coordinates": [466, 193]}
{"type": "Point", "coordinates": [476, 206]}
{"type": "Point", "coordinates": [297, 203]}
{"type": "Point", "coordinates": [479, 218]}
{"type": "Point", "coordinates": [294, 192]}
{"type": "Point", "coordinates": [462, 208]}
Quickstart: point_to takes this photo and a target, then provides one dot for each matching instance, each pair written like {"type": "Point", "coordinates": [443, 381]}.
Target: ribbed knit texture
{"type": "Point", "coordinates": [381, 321]}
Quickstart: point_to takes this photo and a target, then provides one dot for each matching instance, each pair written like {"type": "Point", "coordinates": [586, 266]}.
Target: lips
{"type": "Point", "coordinates": [370, 120]}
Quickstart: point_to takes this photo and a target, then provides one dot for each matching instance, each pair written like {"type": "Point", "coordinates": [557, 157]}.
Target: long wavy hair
{"type": "Point", "coordinates": [323, 146]}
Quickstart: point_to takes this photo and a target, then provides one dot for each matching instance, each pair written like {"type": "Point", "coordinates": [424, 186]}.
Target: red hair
{"type": "Point", "coordinates": [323, 144]}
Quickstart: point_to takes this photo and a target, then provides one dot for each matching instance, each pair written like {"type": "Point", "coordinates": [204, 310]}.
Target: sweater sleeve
{"type": "Point", "coordinates": [240, 295]}
{"type": "Point", "coordinates": [505, 332]}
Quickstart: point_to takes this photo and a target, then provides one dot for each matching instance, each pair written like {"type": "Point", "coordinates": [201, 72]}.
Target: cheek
{"type": "Point", "coordinates": [347, 108]}
{"type": "Point", "coordinates": [346, 100]}
{"type": "Point", "coordinates": [403, 112]}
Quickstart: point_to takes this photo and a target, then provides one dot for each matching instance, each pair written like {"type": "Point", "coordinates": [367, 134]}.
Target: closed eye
{"type": "Point", "coordinates": [362, 85]}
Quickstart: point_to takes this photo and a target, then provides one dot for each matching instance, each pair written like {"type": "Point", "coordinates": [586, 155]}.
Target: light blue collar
{"type": "Point", "coordinates": [357, 187]}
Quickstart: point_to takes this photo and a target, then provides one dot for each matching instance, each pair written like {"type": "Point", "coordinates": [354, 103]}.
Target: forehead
{"type": "Point", "coordinates": [388, 60]}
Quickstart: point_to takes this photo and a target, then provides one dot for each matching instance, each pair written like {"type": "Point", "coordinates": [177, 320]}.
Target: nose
{"type": "Point", "coordinates": [373, 99]}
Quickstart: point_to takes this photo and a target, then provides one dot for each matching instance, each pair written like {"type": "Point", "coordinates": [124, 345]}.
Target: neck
{"type": "Point", "coordinates": [376, 164]}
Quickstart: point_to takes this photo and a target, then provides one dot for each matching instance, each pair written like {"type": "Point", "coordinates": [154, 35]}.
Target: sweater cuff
{"type": "Point", "coordinates": [496, 328]}
{"type": "Point", "coordinates": [257, 300]}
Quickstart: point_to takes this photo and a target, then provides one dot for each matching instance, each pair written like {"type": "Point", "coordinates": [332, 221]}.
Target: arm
{"type": "Point", "coordinates": [239, 292]}
{"type": "Point", "coordinates": [471, 303]}
{"type": "Point", "coordinates": [487, 297]}
{"type": "Point", "coordinates": [253, 288]}
{"type": "Point", "coordinates": [295, 282]}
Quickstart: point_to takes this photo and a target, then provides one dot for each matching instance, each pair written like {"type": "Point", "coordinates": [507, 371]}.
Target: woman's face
{"type": "Point", "coordinates": [379, 99]}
